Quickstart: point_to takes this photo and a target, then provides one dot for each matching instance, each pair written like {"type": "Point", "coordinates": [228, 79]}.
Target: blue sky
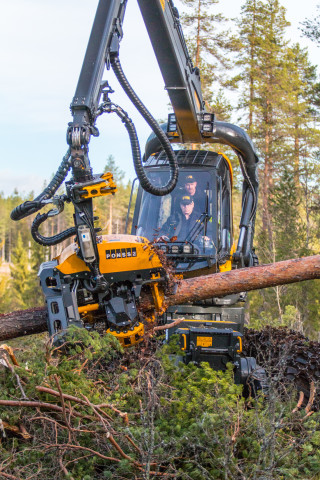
{"type": "Point", "coordinates": [42, 49]}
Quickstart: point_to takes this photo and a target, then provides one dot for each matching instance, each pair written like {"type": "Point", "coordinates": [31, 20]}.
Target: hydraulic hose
{"type": "Point", "coordinates": [174, 171]}
{"type": "Point", "coordinates": [101, 285]}
{"type": "Point", "coordinates": [135, 148]}
{"type": "Point", "coordinates": [29, 207]}
{"type": "Point", "coordinates": [49, 241]}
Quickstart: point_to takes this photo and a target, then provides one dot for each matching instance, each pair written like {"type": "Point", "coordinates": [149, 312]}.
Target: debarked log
{"type": "Point", "coordinates": [27, 322]}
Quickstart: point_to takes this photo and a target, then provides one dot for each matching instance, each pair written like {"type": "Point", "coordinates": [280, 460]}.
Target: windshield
{"type": "Point", "coordinates": [183, 215]}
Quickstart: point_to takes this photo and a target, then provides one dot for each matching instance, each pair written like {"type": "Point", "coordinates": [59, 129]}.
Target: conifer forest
{"type": "Point", "coordinates": [90, 409]}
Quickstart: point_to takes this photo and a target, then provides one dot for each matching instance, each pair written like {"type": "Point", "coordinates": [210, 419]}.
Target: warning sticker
{"type": "Point", "coordinates": [204, 341]}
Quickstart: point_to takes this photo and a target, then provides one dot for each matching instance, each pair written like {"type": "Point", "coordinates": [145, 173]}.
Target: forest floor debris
{"type": "Point", "coordinates": [93, 411]}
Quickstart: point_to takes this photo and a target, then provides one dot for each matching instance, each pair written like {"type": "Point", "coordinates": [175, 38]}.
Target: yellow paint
{"type": "Point", "coordinates": [178, 276]}
{"type": "Point", "coordinates": [240, 345]}
{"type": "Point", "coordinates": [105, 187]}
{"type": "Point", "coordinates": [173, 134]}
{"type": "Point", "coordinates": [163, 4]}
{"type": "Point", "coordinates": [184, 336]}
{"type": "Point", "coordinates": [157, 294]}
{"type": "Point", "coordinates": [226, 267]}
{"type": "Point", "coordinates": [129, 335]}
{"type": "Point", "coordinates": [88, 308]}
{"type": "Point", "coordinates": [197, 99]}
{"type": "Point", "coordinates": [69, 263]}
{"type": "Point", "coordinates": [151, 319]}
{"type": "Point", "coordinates": [204, 341]}
{"type": "Point", "coordinates": [229, 165]}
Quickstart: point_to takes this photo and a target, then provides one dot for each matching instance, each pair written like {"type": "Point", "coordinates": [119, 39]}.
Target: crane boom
{"type": "Point", "coordinates": [182, 79]}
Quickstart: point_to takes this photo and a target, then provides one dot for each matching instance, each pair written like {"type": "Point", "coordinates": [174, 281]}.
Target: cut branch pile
{"type": "Point", "coordinates": [70, 427]}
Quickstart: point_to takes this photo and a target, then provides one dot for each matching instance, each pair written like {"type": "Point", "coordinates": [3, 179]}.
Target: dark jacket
{"type": "Point", "coordinates": [178, 226]}
{"type": "Point", "coordinates": [199, 199]}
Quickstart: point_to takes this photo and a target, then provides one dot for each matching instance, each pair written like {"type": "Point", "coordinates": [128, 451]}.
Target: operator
{"type": "Point", "coordinates": [190, 187]}
{"type": "Point", "coordinates": [181, 223]}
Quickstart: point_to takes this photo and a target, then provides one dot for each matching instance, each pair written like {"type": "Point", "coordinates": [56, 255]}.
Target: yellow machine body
{"type": "Point", "coordinates": [122, 258]}
{"type": "Point", "coordinates": [117, 253]}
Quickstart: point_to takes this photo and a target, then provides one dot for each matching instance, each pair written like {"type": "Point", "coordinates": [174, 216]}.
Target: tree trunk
{"type": "Point", "coordinates": [26, 322]}
{"type": "Point", "coordinates": [297, 158]}
{"type": "Point", "coordinates": [242, 280]}
{"type": "Point", "coordinates": [23, 322]}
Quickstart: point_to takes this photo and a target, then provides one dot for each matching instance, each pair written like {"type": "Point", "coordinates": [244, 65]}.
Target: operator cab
{"type": "Point", "coordinates": [193, 224]}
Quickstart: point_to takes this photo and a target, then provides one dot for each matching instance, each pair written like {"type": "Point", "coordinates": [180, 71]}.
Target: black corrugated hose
{"type": "Point", "coordinates": [29, 207]}
{"type": "Point", "coordinates": [174, 170]}
{"type": "Point", "coordinates": [49, 241]}
{"type": "Point", "coordinates": [135, 148]}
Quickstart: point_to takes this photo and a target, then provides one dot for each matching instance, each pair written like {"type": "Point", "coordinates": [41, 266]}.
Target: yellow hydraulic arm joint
{"type": "Point", "coordinates": [101, 189]}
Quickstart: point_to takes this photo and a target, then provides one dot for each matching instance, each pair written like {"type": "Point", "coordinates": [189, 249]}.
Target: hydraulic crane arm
{"type": "Point", "coordinates": [182, 79]}
{"type": "Point", "coordinates": [106, 30]}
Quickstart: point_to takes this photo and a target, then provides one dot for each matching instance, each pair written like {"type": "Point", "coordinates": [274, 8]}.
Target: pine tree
{"type": "Point", "coordinates": [249, 53]}
{"type": "Point", "coordinates": [280, 99]}
{"type": "Point", "coordinates": [117, 172]}
{"type": "Point", "coordinates": [262, 32]}
{"type": "Point", "coordinates": [289, 230]}
{"type": "Point", "coordinates": [39, 254]}
{"type": "Point", "coordinates": [301, 108]}
{"type": "Point", "coordinates": [208, 45]}
{"type": "Point", "coordinates": [112, 209]}
{"type": "Point", "coordinates": [312, 28]}
{"type": "Point", "coordinates": [20, 276]}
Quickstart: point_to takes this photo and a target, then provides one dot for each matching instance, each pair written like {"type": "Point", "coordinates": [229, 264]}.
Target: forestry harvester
{"type": "Point", "coordinates": [183, 211]}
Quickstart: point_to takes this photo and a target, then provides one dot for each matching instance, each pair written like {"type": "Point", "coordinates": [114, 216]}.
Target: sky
{"type": "Point", "coordinates": [42, 45]}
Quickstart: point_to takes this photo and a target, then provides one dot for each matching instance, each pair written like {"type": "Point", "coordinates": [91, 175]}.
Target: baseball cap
{"type": "Point", "coordinates": [185, 199]}
{"type": "Point", "coordinates": [189, 179]}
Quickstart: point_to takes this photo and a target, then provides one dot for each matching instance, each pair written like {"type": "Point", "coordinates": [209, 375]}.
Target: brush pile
{"type": "Point", "coordinates": [88, 410]}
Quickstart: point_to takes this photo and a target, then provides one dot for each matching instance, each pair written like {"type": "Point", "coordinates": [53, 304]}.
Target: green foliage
{"type": "Point", "coordinates": [280, 100]}
{"type": "Point", "coordinates": [312, 28]}
{"type": "Point", "coordinates": [111, 167]}
{"type": "Point", "coordinates": [20, 275]}
{"type": "Point", "coordinates": [287, 224]}
{"type": "Point", "coordinates": [209, 47]}
{"type": "Point", "coordinates": [184, 421]}
{"type": "Point", "coordinates": [112, 210]}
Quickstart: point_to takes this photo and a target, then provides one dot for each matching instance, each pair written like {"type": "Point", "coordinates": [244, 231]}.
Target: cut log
{"type": "Point", "coordinates": [242, 280]}
{"type": "Point", "coordinates": [23, 322]}
{"type": "Point", "coordinates": [27, 322]}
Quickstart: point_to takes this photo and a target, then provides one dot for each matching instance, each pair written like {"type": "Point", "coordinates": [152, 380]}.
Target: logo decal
{"type": "Point", "coordinates": [121, 253]}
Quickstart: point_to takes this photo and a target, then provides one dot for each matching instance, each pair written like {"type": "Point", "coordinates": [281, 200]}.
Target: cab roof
{"type": "Point", "coordinates": [186, 158]}
{"type": "Point", "coordinates": [191, 158]}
